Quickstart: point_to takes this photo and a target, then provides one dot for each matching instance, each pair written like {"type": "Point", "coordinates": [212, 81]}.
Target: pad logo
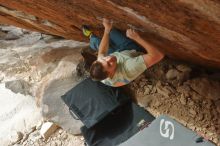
{"type": "Point", "coordinates": [166, 129]}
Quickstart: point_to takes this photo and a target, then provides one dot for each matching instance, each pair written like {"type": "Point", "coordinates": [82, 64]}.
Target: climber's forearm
{"type": "Point", "coordinates": [104, 45]}
{"type": "Point", "coordinates": [151, 50]}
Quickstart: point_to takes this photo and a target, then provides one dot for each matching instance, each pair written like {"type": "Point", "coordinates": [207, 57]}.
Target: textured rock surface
{"type": "Point", "coordinates": [54, 109]}
{"type": "Point", "coordinates": [185, 29]}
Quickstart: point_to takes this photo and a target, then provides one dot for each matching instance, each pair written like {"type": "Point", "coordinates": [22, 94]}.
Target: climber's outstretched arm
{"type": "Point", "coordinates": [104, 44]}
{"type": "Point", "coordinates": [153, 55]}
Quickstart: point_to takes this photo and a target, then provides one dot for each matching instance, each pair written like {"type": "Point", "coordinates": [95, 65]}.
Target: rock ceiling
{"type": "Point", "coordinates": [187, 30]}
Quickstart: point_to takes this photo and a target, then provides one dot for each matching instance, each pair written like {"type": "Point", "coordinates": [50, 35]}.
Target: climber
{"type": "Point", "coordinates": [120, 60]}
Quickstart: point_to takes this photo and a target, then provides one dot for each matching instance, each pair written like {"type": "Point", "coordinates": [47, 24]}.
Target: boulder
{"type": "Point", "coordinates": [178, 28]}
{"type": "Point", "coordinates": [54, 109]}
{"type": "Point", "coordinates": [52, 87]}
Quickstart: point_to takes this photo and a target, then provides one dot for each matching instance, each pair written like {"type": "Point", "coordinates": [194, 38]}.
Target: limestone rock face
{"type": "Point", "coordinates": [186, 29]}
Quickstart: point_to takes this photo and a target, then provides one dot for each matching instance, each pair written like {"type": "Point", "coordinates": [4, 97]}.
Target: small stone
{"type": "Point", "coordinates": [142, 84]}
{"type": "Point", "coordinates": [193, 128]}
{"type": "Point", "coordinates": [60, 131]}
{"type": "Point", "coordinates": [62, 134]}
{"type": "Point", "coordinates": [183, 68]}
{"type": "Point", "coordinates": [154, 90]}
{"type": "Point", "coordinates": [215, 140]}
{"type": "Point", "coordinates": [182, 99]}
{"type": "Point", "coordinates": [146, 90]}
{"type": "Point", "coordinates": [47, 129]}
{"type": "Point", "coordinates": [200, 117]}
{"type": "Point", "coordinates": [64, 137]}
{"type": "Point", "coordinates": [157, 103]}
{"type": "Point", "coordinates": [163, 90]}
{"type": "Point", "coordinates": [150, 86]}
{"type": "Point", "coordinates": [172, 74]}
{"type": "Point", "coordinates": [192, 112]}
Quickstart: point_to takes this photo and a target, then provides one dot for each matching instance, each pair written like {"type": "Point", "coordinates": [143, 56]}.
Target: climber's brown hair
{"type": "Point", "coordinates": [97, 71]}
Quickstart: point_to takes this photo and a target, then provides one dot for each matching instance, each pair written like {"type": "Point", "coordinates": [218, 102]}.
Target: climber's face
{"type": "Point", "coordinates": [109, 63]}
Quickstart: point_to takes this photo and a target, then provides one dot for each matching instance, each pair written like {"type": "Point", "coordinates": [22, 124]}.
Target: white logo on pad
{"type": "Point", "coordinates": [167, 129]}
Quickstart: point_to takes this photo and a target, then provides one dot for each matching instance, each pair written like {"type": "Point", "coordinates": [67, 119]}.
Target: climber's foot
{"type": "Point", "coordinates": [86, 31]}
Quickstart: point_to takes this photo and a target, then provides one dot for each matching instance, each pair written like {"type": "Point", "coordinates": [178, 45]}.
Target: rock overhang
{"type": "Point", "coordinates": [185, 30]}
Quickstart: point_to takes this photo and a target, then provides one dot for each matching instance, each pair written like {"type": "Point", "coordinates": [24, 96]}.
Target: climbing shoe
{"type": "Point", "coordinates": [86, 31]}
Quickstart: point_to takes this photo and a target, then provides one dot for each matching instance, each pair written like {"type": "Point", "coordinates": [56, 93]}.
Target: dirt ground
{"type": "Point", "coordinates": [58, 138]}
{"type": "Point", "coordinates": [188, 93]}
